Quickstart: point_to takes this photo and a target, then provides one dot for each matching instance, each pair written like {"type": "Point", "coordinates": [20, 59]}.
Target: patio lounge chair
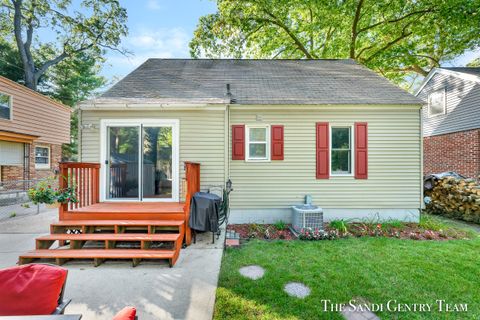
{"type": "Point", "coordinates": [32, 289]}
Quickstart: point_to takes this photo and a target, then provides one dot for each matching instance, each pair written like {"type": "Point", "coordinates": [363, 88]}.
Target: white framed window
{"type": "Point", "coordinates": [437, 103]}
{"type": "Point", "coordinates": [5, 106]}
{"type": "Point", "coordinates": [341, 155]}
{"type": "Point", "coordinates": [42, 157]}
{"type": "Point", "coordinates": [258, 142]}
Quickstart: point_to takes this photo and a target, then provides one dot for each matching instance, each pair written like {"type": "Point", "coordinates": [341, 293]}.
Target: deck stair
{"type": "Point", "coordinates": [145, 239]}
{"type": "Point", "coordinates": [100, 230]}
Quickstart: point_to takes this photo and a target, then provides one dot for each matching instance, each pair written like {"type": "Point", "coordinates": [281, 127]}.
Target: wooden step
{"type": "Point", "coordinates": [78, 240]}
{"type": "Point", "coordinates": [99, 255]}
{"type": "Point", "coordinates": [128, 211]}
{"type": "Point", "coordinates": [118, 226]}
{"type": "Point", "coordinates": [160, 223]}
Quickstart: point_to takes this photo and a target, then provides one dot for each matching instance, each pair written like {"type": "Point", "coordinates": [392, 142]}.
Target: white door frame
{"type": "Point", "coordinates": [174, 123]}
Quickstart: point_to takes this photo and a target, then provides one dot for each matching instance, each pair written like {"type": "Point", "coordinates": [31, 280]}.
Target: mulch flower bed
{"type": "Point", "coordinates": [262, 231]}
{"type": "Point", "coordinates": [403, 231]}
{"type": "Point", "coordinates": [406, 231]}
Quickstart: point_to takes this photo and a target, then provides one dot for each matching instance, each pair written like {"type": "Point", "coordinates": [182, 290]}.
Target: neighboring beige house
{"type": "Point", "coordinates": [32, 131]}
{"type": "Point", "coordinates": [279, 129]}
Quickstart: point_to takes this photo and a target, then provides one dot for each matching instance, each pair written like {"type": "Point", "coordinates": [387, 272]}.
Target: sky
{"type": "Point", "coordinates": [163, 29]}
{"type": "Point", "coordinates": [157, 29]}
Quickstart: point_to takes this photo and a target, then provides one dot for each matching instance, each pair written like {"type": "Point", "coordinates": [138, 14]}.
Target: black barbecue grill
{"type": "Point", "coordinates": [208, 212]}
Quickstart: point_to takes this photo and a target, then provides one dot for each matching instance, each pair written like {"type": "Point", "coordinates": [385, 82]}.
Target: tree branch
{"type": "Point", "coordinates": [421, 12]}
{"type": "Point", "coordinates": [48, 64]}
{"type": "Point", "coordinates": [356, 19]}
{"type": "Point", "coordinates": [389, 44]}
{"type": "Point", "coordinates": [297, 41]}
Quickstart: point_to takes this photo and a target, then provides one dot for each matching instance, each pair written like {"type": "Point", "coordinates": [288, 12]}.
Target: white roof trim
{"type": "Point", "coordinates": [457, 74]}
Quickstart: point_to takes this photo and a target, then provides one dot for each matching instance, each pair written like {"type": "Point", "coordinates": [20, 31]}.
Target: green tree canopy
{"type": "Point", "coordinates": [70, 81]}
{"type": "Point", "coordinates": [84, 26]}
{"type": "Point", "coordinates": [474, 63]}
{"type": "Point", "coordinates": [399, 39]}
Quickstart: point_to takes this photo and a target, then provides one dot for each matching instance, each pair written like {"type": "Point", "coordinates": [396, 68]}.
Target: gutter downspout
{"type": "Point", "coordinates": [227, 143]}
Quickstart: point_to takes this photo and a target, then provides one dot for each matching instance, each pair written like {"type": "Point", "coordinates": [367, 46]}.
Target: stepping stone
{"type": "Point", "coordinates": [252, 272]}
{"type": "Point", "coordinates": [357, 314]}
{"type": "Point", "coordinates": [297, 290]}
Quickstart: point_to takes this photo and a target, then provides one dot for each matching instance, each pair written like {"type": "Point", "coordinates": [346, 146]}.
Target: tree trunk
{"type": "Point", "coordinates": [30, 81]}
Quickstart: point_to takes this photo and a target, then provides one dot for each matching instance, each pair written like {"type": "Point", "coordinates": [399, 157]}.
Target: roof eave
{"type": "Point", "coordinates": [457, 74]}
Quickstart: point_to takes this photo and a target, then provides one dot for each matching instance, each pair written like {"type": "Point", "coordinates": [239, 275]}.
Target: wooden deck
{"type": "Point", "coordinates": [133, 207]}
{"type": "Point", "coordinates": [127, 211]}
{"type": "Point", "coordinates": [145, 226]}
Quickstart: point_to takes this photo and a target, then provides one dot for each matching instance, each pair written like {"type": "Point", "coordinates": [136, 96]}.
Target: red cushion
{"type": "Point", "coordinates": [31, 289]}
{"type": "Point", "coordinates": [127, 313]}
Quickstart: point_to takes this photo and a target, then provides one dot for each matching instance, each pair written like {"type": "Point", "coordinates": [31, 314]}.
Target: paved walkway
{"type": "Point", "coordinates": [186, 291]}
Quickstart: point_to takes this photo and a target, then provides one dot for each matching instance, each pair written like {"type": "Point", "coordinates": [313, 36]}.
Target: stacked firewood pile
{"type": "Point", "coordinates": [457, 198]}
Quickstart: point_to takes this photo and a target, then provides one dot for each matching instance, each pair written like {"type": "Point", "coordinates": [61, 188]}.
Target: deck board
{"type": "Point", "coordinates": [112, 236]}
{"type": "Point", "coordinates": [100, 253]}
{"type": "Point", "coordinates": [132, 207]}
{"type": "Point", "coordinates": [132, 223]}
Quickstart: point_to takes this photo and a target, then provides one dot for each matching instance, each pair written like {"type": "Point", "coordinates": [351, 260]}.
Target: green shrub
{"type": "Point", "coordinates": [44, 192]}
{"type": "Point", "coordinates": [427, 222]}
{"type": "Point", "coordinates": [339, 225]}
{"type": "Point", "coordinates": [280, 225]}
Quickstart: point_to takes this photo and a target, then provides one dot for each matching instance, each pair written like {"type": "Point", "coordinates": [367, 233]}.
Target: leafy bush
{"type": "Point", "coordinates": [43, 192]}
{"type": "Point", "coordinates": [280, 225]}
{"type": "Point", "coordinates": [339, 225]}
{"type": "Point", "coordinates": [427, 222]}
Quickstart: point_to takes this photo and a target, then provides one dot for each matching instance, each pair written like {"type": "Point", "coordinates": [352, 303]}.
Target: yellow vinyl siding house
{"type": "Point", "coordinates": [203, 101]}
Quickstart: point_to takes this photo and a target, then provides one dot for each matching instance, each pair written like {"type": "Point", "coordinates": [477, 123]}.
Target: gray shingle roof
{"type": "Point", "coordinates": [470, 70]}
{"type": "Point", "coordinates": [258, 82]}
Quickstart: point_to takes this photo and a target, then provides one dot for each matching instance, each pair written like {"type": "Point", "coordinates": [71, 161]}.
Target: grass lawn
{"type": "Point", "coordinates": [377, 269]}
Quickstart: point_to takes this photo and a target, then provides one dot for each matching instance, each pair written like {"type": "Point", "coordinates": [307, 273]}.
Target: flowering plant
{"type": "Point", "coordinates": [317, 234]}
{"type": "Point", "coordinates": [44, 192]}
{"type": "Point", "coordinates": [67, 195]}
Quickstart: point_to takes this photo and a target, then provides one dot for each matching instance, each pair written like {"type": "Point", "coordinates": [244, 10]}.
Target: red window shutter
{"type": "Point", "coordinates": [361, 150]}
{"type": "Point", "coordinates": [323, 149]}
{"type": "Point", "coordinates": [276, 142]}
{"type": "Point", "coordinates": [238, 142]}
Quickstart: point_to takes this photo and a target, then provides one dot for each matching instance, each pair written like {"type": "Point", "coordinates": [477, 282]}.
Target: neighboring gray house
{"type": "Point", "coordinates": [451, 120]}
{"type": "Point", "coordinates": [279, 129]}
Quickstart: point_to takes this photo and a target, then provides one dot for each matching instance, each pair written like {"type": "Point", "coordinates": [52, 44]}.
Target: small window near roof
{"type": "Point", "coordinates": [5, 106]}
{"type": "Point", "coordinates": [436, 103]}
{"type": "Point", "coordinates": [341, 154]}
{"type": "Point", "coordinates": [258, 143]}
{"type": "Point", "coordinates": [42, 157]}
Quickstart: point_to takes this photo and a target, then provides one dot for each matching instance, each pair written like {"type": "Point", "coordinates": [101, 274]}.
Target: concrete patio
{"type": "Point", "coordinates": [186, 291]}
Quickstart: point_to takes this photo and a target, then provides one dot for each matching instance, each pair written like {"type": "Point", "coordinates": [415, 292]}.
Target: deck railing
{"type": "Point", "coordinates": [84, 178]}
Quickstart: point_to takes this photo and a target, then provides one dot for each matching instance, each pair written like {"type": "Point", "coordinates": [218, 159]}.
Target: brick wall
{"type": "Point", "coordinates": [458, 151]}
{"type": "Point", "coordinates": [16, 172]}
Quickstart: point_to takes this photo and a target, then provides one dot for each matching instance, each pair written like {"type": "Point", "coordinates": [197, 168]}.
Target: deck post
{"type": "Point", "coordinates": [192, 176]}
{"type": "Point", "coordinates": [63, 183]}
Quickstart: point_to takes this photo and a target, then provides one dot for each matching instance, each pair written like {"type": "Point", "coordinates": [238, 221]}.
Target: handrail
{"type": "Point", "coordinates": [192, 177]}
{"type": "Point", "coordinates": [84, 177]}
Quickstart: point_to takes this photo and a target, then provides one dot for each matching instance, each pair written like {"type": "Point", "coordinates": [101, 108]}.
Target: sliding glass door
{"type": "Point", "coordinates": [141, 162]}
{"type": "Point", "coordinates": [122, 163]}
{"type": "Point", "coordinates": [157, 163]}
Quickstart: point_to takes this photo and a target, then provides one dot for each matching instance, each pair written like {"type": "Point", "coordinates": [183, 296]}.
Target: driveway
{"type": "Point", "coordinates": [186, 291]}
